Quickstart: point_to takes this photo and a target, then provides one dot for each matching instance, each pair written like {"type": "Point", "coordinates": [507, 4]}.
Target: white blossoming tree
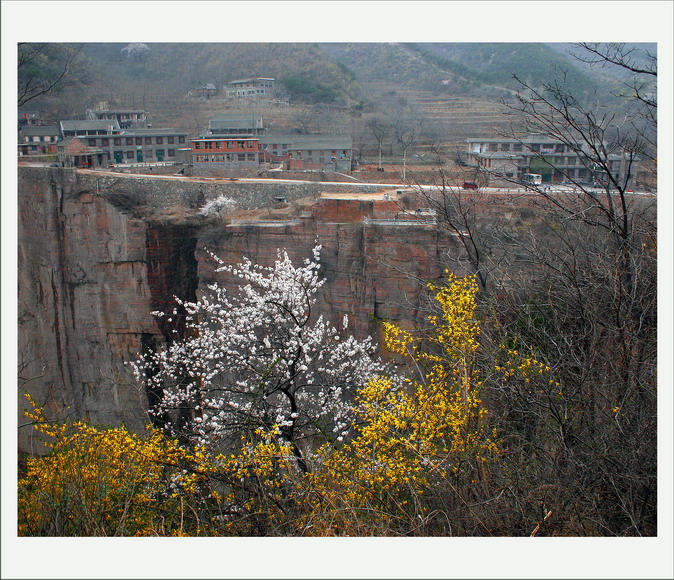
{"type": "Point", "coordinates": [260, 360]}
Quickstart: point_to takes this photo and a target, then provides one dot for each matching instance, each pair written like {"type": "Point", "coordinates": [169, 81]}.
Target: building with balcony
{"type": "Point", "coordinates": [534, 153]}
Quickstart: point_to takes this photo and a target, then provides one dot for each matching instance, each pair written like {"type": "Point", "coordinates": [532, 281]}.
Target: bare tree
{"type": "Point", "coordinates": [380, 128]}
{"type": "Point", "coordinates": [406, 128]}
{"type": "Point", "coordinates": [46, 68]}
{"type": "Point", "coordinates": [573, 284]}
{"type": "Point", "coordinates": [590, 308]}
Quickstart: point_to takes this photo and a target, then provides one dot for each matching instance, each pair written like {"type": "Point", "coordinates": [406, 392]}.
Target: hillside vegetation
{"type": "Point", "coordinates": [453, 90]}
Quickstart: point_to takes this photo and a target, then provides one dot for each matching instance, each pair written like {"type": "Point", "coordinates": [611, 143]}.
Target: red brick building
{"type": "Point", "coordinates": [212, 153]}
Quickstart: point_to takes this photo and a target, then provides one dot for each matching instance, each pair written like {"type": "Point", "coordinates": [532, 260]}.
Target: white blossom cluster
{"type": "Point", "coordinates": [219, 204]}
{"type": "Point", "coordinates": [262, 358]}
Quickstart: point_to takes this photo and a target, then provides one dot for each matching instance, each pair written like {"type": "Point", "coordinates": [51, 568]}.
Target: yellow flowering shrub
{"type": "Point", "coordinates": [106, 482]}
{"type": "Point", "coordinates": [415, 434]}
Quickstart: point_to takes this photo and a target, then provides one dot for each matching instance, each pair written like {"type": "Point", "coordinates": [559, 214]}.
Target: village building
{"type": "Point", "coordinates": [140, 145]}
{"type": "Point", "coordinates": [308, 152]}
{"type": "Point", "coordinates": [75, 152]}
{"type": "Point", "coordinates": [321, 152]}
{"type": "Point", "coordinates": [533, 154]}
{"type": "Point", "coordinates": [126, 118]}
{"type": "Point", "coordinates": [87, 127]}
{"type": "Point", "coordinates": [250, 88]}
{"type": "Point", "coordinates": [29, 118]}
{"type": "Point", "coordinates": [207, 91]}
{"type": "Point", "coordinates": [212, 153]}
{"type": "Point", "coordinates": [236, 125]}
{"type": "Point", "coordinates": [39, 139]}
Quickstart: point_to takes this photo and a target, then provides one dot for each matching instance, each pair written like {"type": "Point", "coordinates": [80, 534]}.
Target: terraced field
{"type": "Point", "coordinates": [452, 118]}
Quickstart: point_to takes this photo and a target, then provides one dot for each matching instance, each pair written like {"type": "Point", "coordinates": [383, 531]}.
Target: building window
{"type": "Point", "coordinates": [251, 157]}
{"type": "Point", "coordinates": [148, 140]}
{"type": "Point", "coordinates": [129, 154]}
{"type": "Point", "coordinates": [493, 147]}
{"type": "Point", "coordinates": [105, 142]}
{"type": "Point", "coordinates": [171, 140]}
{"type": "Point", "coordinates": [242, 156]}
{"type": "Point", "coordinates": [559, 148]}
{"type": "Point", "coordinates": [92, 142]}
{"type": "Point", "coordinates": [181, 139]}
{"type": "Point", "coordinates": [118, 141]}
{"type": "Point", "coordinates": [517, 147]}
{"type": "Point", "coordinates": [209, 145]}
{"type": "Point", "coordinates": [129, 140]}
{"type": "Point", "coordinates": [139, 140]}
{"type": "Point", "coordinates": [171, 152]}
{"type": "Point", "coordinates": [197, 144]}
{"type": "Point", "coordinates": [160, 140]}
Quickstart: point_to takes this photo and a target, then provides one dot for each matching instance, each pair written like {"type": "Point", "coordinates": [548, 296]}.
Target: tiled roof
{"type": "Point", "coordinates": [39, 130]}
{"type": "Point", "coordinates": [89, 125]}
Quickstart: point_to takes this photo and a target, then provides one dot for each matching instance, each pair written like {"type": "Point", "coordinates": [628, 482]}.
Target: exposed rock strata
{"type": "Point", "coordinates": [98, 254]}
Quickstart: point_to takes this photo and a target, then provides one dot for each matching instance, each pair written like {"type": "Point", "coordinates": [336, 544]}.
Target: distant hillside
{"type": "Point", "coordinates": [178, 67]}
{"type": "Point", "coordinates": [483, 70]}
{"type": "Point", "coordinates": [454, 90]}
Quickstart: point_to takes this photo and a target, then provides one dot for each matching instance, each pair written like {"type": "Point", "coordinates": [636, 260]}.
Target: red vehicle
{"type": "Point", "coordinates": [469, 185]}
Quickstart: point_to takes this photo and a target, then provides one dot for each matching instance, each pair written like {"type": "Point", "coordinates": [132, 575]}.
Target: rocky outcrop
{"type": "Point", "coordinates": [98, 254]}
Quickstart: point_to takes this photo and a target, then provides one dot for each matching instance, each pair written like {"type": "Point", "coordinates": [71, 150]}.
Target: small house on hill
{"type": "Point", "coordinates": [207, 91]}
{"type": "Point", "coordinates": [250, 88]}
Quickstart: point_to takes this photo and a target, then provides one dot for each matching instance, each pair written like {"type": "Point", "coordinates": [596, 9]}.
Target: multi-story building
{"type": "Point", "coordinates": [538, 154]}
{"type": "Point", "coordinates": [250, 88]}
{"type": "Point", "coordinates": [213, 153]}
{"type": "Point", "coordinates": [317, 152]}
{"type": "Point", "coordinates": [321, 152]}
{"type": "Point", "coordinates": [137, 146]}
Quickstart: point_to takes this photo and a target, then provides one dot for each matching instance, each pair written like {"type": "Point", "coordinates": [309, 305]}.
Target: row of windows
{"type": "Point", "coordinates": [158, 153]}
{"type": "Point", "coordinates": [225, 144]}
{"type": "Point", "coordinates": [105, 142]}
{"type": "Point", "coordinates": [535, 147]}
{"type": "Point", "coordinates": [42, 139]}
{"type": "Point", "coordinates": [228, 157]}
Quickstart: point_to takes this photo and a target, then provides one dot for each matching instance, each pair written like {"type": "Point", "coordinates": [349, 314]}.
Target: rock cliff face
{"type": "Point", "coordinates": [97, 255]}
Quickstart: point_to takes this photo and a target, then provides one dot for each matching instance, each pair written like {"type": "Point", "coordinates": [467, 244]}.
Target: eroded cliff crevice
{"type": "Point", "coordinates": [99, 255]}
